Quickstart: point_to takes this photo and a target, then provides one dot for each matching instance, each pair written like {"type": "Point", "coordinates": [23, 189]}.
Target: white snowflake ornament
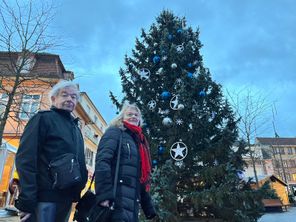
{"type": "Point", "coordinates": [179, 122]}
{"type": "Point", "coordinates": [151, 104]}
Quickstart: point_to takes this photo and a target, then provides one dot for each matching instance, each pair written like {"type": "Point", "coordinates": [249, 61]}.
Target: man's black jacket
{"type": "Point", "coordinates": [47, 135]}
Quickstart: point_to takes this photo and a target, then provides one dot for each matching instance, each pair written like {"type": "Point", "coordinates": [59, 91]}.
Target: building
{"type": "Point", "coordinates": [38, 76]}
{"type": "Point", "coordinates": [277, 156]}
{"type": "Point", "coordinates": [279, 186]}
{"type": "Point", "coordinates": [92, 125]}
{"type": "Point", "coordinates": [281, 154]}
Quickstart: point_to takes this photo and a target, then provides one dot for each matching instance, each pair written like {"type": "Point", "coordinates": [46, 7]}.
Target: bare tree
{"type": "Point", "coordinates": [251, 107]}
{"type": "Point", "coordinates": [23, 33]}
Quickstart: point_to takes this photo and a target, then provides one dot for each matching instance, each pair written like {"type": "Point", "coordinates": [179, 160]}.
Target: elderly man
{"type": "Point", "coordinates": [50, 160]}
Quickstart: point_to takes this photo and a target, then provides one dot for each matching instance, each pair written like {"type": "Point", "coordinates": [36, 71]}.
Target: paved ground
{"type": "Point", "coordinates": [289, 216]}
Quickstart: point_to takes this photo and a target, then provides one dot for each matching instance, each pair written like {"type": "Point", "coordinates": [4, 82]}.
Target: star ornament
{"type": "Point", "coordinates": [144, 74]}
{"type": "Point", "coordinates": [178, 151]}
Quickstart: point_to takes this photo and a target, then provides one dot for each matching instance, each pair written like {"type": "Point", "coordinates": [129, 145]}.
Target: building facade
{"type": "Point", "coordinates": [273, 156]}
{"type": "Point", "coordinates": [43, 71]}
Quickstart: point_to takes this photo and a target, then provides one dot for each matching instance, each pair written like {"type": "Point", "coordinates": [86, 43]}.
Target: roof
{"type": "Point", "coordinates": [47, 65]}
{"type": "Point", "coordinates": [263, 178]}
{"type": "Point", "coordinates": [276, 141]}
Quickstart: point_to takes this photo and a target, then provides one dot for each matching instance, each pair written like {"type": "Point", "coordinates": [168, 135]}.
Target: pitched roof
{"type": "Point", "coordinates": [276, 141]}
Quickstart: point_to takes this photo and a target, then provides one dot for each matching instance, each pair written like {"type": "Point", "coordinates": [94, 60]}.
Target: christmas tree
{"type": "Point", "coordinates": [191, 128]}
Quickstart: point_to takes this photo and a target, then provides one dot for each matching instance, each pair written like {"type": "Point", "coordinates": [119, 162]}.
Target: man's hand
{"type": "Point", "coordinates": [24, 216]}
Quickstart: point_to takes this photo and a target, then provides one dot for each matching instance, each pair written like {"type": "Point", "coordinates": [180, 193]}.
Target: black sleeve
{"type": "Point", "coordinates": [26, 163]}
{"type": "Point", "coordinates": [146, 203]}
{"type": "Point", "coordinates": [103, 167]}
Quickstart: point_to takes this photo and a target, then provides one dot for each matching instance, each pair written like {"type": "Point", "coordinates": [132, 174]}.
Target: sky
{"type": "Point", "coordinates": [245, 44]}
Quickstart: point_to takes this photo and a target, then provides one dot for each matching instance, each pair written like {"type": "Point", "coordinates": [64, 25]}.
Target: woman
{"type": "Point", "coordinates": [134, 169]}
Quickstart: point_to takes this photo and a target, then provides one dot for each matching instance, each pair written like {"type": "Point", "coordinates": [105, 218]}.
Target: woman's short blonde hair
{"type": "Point", "coordinates": [117, 121]}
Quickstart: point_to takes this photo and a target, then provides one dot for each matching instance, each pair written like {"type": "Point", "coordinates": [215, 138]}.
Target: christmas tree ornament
{"type": "Point", "coordinates": [189, 65]}
{"type": "Point", "coordinates": [196, 73]}
{"type": "Point", "coordinates": [167, 121]}
{"type": "Point", "coordinates": [156, 59]}
{"type": "Point", "coordinates": [155, 44]}
{"type": "Point", "coordinates": [174, 102]}
{"type": "Point", "coordinates": [133, 78]}
{"type": "Point", "coordinates": [190, 126]}
{"type": "Point", "coordinates": [189, 75]}
{"type": "Point", "coordinates": [180, 106]}
{"type": "Point", "coordinates": [161, 150]}
{"type": "Point", "coordinates": [180, 48]}
{"type": "Point", "coordinates": [178, 151]}
{"type": "Point", "coordinates": [164, 58]}
{"type": "Point", "coordinates": [159, 71]}
{"type": "Point", "coordinates": [180, 31]}
{"type": "Point", "coordinates": [154, 162]}
{"type": "Point", "coordinates": [166, 112]}
{"type": "Point", "coordinates": [179, 122]}
{"type": "Point", "coordinates": [190, 42]}
{"type": "Point", "coordinates": [170, 37]}
{"type": "Point", "coordinates": [240, 174]}
{"type": "Point", "coordinates": [144, 74]}
{"type": "Point", "coordinates": [178, 81]}
{"type": "Point", "coordinates": [202, 93]}
{"type": "Point", "coordinates": [151, 104]}
{"type": "Point", "coordinates": [165, 95]}
{"type": "Point", "coordinates": [195, 62]}
{"type": "Point", "coordinates": [174, 65]}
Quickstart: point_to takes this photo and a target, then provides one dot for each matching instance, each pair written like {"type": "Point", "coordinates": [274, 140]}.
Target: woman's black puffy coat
{"type": "Point", "coordinates": [129, 190]}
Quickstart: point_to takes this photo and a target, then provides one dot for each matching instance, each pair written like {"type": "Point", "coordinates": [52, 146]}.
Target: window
{"type": "Point", "coordinates": [27, 65]}
{"type": "Point", "coordinates": [294, 176]}
{"type": "Point", "coordinates": [282, 150]}
{"type": "Point", "coordinates": [288, 177]}
{"type": "Point", "coordinates": [290, 151]}
{"type": "Point", "coordinates": [30, 105]}
{"type": "Point", "coordinates": [3, 102]}
{"type": "Point", "coordinates": [292, 163]}
{"type": "Point", "coordinates": [89, 157]}
{"type": "Point", "coordinates": [285, 164]}
{"type": "Point", "coordinates": [95, 118]}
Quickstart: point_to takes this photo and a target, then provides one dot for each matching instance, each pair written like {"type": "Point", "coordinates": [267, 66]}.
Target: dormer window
{"type": "Point", "coordinates": [25, 64]}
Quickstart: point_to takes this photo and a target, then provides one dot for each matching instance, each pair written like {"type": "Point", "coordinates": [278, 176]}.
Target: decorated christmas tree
{"type": "Point", "coordinates": [191, 128]}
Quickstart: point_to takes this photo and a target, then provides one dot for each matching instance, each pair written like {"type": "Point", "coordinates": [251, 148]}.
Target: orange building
{"type": "Point", "coordinates": [38, 76]}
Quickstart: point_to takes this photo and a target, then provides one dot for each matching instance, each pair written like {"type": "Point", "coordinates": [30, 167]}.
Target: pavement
{"type": "Point", "coordinates": [285, 216]}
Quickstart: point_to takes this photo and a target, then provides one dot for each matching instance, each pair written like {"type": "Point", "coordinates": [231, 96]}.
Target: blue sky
{"type": "Point", "coordinates": [245, 43]}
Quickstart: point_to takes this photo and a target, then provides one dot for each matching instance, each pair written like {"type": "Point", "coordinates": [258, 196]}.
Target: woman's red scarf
{"type": "Point", "coordinates": [144, 153]}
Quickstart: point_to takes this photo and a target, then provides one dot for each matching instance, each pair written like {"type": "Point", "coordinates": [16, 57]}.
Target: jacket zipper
{"type": "Point", "coordinates": [129, 150]}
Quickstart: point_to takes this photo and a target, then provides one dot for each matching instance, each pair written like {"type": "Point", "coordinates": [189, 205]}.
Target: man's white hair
{"type": "Point", "coordinates": [61, 85]}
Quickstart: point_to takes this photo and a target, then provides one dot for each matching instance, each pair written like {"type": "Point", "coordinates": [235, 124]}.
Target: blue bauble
{"type": "Point", "coordinates": [202, 93]}
{"type": "Point", "coordinates": [165, 95]}
{"type": "Point", "coordinates": [156, 59]}
{"type": "Point", "coordinates": [189, 65]}
{"type": "Point", "coordinates": [154, 162]}
{"type": "Point", "coordinates": [160, 150]}
{"type": "Point", "coordinates": [180, 31]}
{"type": "Point", "coordinates": [190, 75]}
{"type": "Point", "coordinates": [170, 36]}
